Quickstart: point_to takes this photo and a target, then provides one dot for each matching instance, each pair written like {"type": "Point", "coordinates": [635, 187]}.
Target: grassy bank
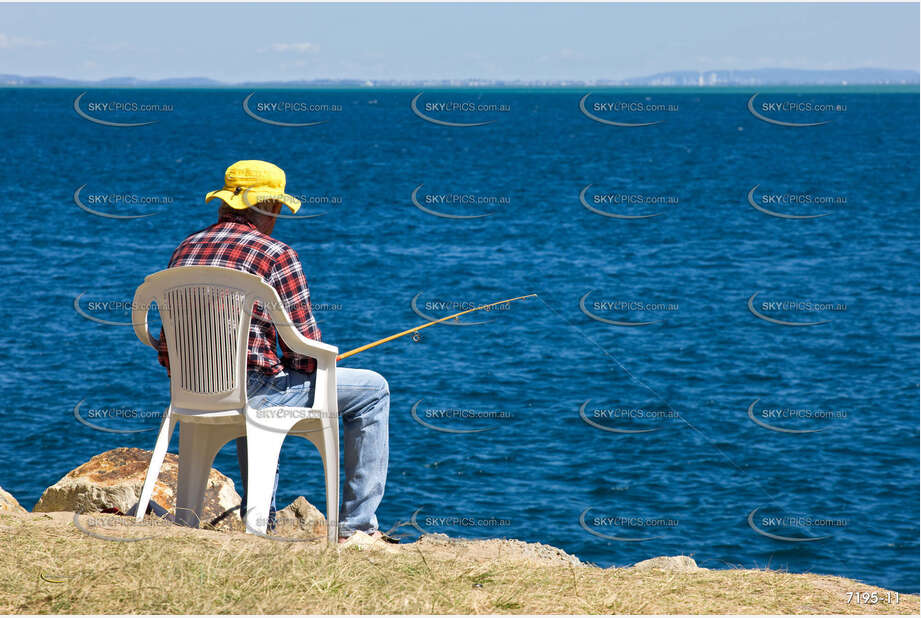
{"type": "Point", "coordinates": [50, 566]}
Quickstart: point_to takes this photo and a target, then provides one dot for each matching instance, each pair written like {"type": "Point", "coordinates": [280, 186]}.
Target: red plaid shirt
{"type": "Point", "coordinates": [233, 242]}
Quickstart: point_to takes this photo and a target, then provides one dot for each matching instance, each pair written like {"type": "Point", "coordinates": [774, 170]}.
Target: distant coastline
{"type": "Point", "coordinates": [674, 79]}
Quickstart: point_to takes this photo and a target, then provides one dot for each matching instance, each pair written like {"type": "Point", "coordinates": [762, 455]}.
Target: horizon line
{"type": "Point", "coordinates": [727, 74]}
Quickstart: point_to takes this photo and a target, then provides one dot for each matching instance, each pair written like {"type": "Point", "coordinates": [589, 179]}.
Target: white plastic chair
{"type": "Point", "coordinates": [206, 313]}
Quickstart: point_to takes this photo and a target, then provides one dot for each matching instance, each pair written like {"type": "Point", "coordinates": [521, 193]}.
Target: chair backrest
{"type": "Point", "coordinates": [206, 313]}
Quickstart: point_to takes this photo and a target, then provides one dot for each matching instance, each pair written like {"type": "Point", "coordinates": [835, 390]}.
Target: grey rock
{"type": "Point", "coordinates": [300, 518]}
{"type": "Point", "coordinates": [682, 564]}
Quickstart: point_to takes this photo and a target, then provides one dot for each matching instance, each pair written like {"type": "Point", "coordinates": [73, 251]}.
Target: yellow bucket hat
{"type": "Point", "coordinates": [246, 183]}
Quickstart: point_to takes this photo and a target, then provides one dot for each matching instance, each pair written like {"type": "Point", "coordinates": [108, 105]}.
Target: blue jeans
{"type": "Point", "coordinates": [364, 406]}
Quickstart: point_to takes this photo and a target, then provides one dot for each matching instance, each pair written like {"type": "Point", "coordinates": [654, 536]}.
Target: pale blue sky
{"type": "Point", "coordinates": [240, 42]}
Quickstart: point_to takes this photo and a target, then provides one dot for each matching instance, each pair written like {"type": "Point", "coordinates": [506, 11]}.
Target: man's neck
{"type": "Point", "coordinates": [232, 217]}
{"type": "Point", "coordinates": [266, 227]}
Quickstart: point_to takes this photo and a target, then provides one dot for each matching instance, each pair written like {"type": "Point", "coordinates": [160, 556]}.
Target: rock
{"type": "Point", "coordinates": [364, 542]}
{"type": "Point", "coordinates": [8, 503]}
{"type": "Point", "coordinates": [546, 554]}
{"type": "Point", "coordinates": [113, 480]}
{"type": "Point", "coordinates": [300, 519]}
{"type": "Point", "coordinates": [438, 537]}
{"type": "Point", "coordinates": [682, 564]}
{"type": "Point", "coordinates": [490, 550]}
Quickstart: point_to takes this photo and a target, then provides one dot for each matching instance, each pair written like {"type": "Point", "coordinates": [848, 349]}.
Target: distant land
{"type": "Point", "coordinates": [755, 77]}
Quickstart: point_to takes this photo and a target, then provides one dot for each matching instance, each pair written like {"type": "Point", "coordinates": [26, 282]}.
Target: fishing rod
{"type": "Point", "coordinates": [411, 331]}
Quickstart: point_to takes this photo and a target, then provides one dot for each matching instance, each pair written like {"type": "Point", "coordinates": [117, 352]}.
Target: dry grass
{"type": "Point", "coordinates": [49, 566]}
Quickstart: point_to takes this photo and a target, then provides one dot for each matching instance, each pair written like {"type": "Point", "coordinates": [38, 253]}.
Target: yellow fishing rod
{"type": "Point", "coordinates": [411, 331]}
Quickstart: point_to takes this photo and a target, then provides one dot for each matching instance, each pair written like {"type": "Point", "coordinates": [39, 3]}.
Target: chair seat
{"type": "Point", "coordinates": [207, 416]}
{"type": "Point", "coordinates": [290, 412]}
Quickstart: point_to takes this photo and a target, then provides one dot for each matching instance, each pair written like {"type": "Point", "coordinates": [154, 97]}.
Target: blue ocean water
{"type": "Point", "coordinates": [754, 402]}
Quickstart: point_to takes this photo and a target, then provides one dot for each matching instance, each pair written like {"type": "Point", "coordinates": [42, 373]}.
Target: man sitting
{"type": "Point", "coordinates": [253, 193]}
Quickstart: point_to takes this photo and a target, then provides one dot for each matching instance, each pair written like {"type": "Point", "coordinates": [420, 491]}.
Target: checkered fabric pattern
{"type": "Point", "coordinates": [234, 242]}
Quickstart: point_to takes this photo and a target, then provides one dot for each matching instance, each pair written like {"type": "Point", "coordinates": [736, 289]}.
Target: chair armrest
{"type": "Point", "coordinates": [139, 310]}
{"type": "Point", "coordinates": [325, 355]}
{"type": "Point", "coordinates": [294, 339]}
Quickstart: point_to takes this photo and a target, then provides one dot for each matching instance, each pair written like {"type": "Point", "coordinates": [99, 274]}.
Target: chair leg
{"type": "Point", "coordinates": [330, 456]}
{"type": "Point", "coordinates": [198, 444]}
{"type": "Point", "coordinates": [326, 440]}
{"type": "Point", "coordinates": [156, 461]}
{"type": "Point", "coordinates": [262, 450]}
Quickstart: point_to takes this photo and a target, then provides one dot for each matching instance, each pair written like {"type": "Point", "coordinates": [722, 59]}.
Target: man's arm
{"type": "Point", "coordinates": [162, 354]}
{"type": "Point", "coordinates": [287, 277]}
